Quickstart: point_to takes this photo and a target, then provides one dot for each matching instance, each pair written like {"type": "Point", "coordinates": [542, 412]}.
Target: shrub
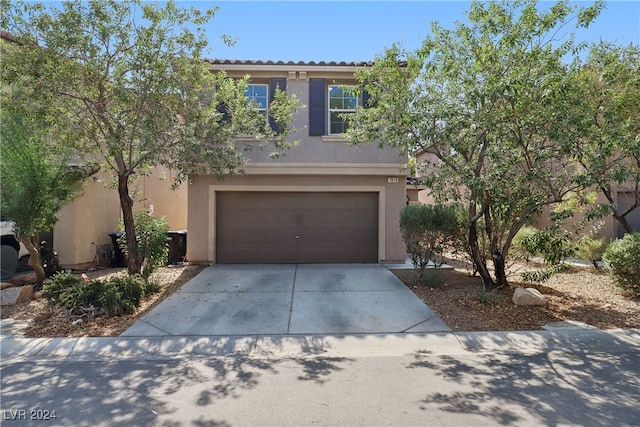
{"type": "Point", "coordinates": [591, 249]}
{"type": "Point", "coordinates": [541, 276]}
{"type": "Point", "coordinates": [58, 288]}
{"type": "Point", "coordinates": [151, 243]}
{"type": "Point", "coordinates": [116, 295]}
{"type": "Point", "coordinates": [428, 231]}
{"type": "Point", "coordinates": [622, 262]}
{"type": "Point", "coordinates": [122, 294]}
{"type": "Point", "coordinates": [519, 249]}
{"type": "Point", "coordinates": [552, 243]}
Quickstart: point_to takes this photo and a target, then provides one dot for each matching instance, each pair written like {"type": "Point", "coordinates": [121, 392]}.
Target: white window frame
{"type": "Point", "coordinates": [263, 110]}
{"type": "Point", "coordinates": [338, 110]}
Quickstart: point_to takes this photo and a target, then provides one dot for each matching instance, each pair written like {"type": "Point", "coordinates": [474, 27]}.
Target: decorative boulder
{"type": "Point", "coordinates": [16, 295]}
{"type": "Point", "coordinates": [528, 296]}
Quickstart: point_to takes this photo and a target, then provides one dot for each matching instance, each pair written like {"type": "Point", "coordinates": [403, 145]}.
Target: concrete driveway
{"type": "Point", "coordinates": [290, 299]}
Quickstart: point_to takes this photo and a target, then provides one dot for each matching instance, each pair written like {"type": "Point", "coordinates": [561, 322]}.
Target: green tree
{"type": "Point", "coordinates": [37, 180]}
{"type": "Point", "coordinates": [609, 152]}
{"type": "Point", "coordinates": [491, 103]}
{"type": "Point", "coordinates": [127, 80]}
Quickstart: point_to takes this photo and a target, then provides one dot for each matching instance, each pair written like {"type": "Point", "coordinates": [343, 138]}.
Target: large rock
{"type": "Point", "coordinates": [12, 296]}
{"type": "Point", "coordinates": [528, 296]}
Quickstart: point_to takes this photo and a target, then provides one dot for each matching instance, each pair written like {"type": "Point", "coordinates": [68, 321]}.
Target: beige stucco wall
{"type": "Point", "coordinates": [202, 190]}
{"type": "Point", "coordinates": [86, 220]}
{"type": "Point", "coordinates": [609, 230]}
{"type": "Point", "coordinates": [89, 219]}
{"type": "Point", "coordinates": [315, 149]}
{"type": "Point", "coordinates": [155, 190]}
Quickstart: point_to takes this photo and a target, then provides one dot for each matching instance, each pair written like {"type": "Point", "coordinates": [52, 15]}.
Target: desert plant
{"type": "Point", "coordinates": [122, 294]}
{"type": "Point", "coordinates": [519, 249]}
{"type": "Point", "coordinates": [151, 242]}
{"type": "Point", "coordinates": [591, 249]}
{"type": "Point", "coordinates": [621, 262]}
{"type": "Point", "coordinates": [116, 295]}
{"type": "Point", "coordinates": [553, 244]}
{"type": "Point", "coordinates": [485, 297]}
{"type": "Point", "coordinates": [56, 287]}
{"type": "Point", "coordinates": [542, 275]}
{"type": "Point", "coordinates": [428, 231]}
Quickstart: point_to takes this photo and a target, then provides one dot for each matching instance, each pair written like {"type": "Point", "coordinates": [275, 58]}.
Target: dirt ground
{"type": "Point", "coordinates": [581, 294]}
{"type": "Point", "coordinates": [48, 321]}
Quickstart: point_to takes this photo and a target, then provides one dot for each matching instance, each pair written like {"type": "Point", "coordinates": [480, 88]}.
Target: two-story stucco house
{"type": "Point", "coordinates": [326, 200]}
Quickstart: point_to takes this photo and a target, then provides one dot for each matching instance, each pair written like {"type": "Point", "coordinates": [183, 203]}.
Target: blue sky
{"type": "Point", "coordinates": [358, 30]}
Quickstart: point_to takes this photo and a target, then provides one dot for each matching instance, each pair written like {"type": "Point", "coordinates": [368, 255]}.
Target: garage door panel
{"type": "Point", "coordinates": [292, 227]}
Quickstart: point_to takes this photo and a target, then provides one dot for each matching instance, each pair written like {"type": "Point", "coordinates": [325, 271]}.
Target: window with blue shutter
{"type": "Point", "coordinates": [342, 99]}
{"type": "Point", "coordinates": [317, 111]}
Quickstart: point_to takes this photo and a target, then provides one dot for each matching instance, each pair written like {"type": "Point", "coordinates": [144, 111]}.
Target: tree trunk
{"type": "Point", "coordinates": [622, 221]}
{"type": "Point", "coordinates": [499, 267]}
{"type": "Point", "coordinates": [478, 259]}
{"type": "Point", "coordinates": [34, 260]}
{"type": "Point", "coordinates": [126, 203]}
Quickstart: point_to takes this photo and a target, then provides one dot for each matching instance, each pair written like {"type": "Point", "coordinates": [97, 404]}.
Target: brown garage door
{"type": "Point", "coordinates": [296, 227]}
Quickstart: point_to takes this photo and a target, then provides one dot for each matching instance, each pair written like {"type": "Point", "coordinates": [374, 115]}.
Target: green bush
{"type": "Point", "coordinates": [552, 243]}
{"type": "Point", "coordinates": [519, 249]}
{"type": "Point", "coordinates": [116, 295]}
{"type": "Point", "coordinates": [622, 261]}
{"type": "Point", "coordinates": [151, 242]}
{"type": "Point", "coordinates": [429, 231]}
{"type": "Point", "coordinates": [122, 294]}
{"type": "Point", "coordinates": [591, 249]}
{"type": "Point", "coordinates": [60, 288]}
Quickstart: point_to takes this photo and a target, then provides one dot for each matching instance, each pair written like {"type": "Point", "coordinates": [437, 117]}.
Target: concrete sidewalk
{"type": "Point", "coordinates": [358, 310]}
{"type": "Point", "coordinates": [570, 340]}
{"type": "Point", "coordinates": [240, 300]}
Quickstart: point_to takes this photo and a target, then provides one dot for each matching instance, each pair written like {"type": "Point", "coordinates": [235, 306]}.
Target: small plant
{"type": "Point", "coordinates": [428, 231]}
{"type": "Point", "coordinates": [57, 287]}
{"type": "Point", "coordinates": [622, 262]}
{"type": "Point", "coordinates": [122, 294]}
{"type": "Point", "coordinates": [591, 249]}
{"type": "Point", "coordinates": [541, 276]}
{"type": "Point", "coordinates": [485, 297]}
{"type": "Point", "coordinates": [114, 296]}
{"type": "Point", "coordinates": [152, 286]}
{"type": "Point", "coordinates": [520, 250]}
{"type": "Point", "coordinates": [552, 243]}
{"type": "Point", "coordinates": [151, 243]}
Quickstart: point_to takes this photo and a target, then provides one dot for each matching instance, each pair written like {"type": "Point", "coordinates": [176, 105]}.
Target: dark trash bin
{"type": "Point", "coordinates": [118, 260]}
{"type": "Point", "coordinates": [177, 246]}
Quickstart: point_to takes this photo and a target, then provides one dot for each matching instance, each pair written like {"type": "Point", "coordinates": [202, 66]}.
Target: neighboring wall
{"type": "Point", "coordinates": [87, 221]}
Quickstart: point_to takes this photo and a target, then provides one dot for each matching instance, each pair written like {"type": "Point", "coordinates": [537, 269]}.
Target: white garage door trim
{"type": "Point", "coordinates": [291, 188]}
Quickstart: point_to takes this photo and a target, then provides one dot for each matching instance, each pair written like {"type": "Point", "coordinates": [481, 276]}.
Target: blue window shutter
{"type": "Point", "coordinates": [275, 83]}
{"type": "Point", "coordinates": [366, 96]}
{"type": "Point", "coordinates": [222, 108]}
{"type": "Point", "coordinates": [317, 111]}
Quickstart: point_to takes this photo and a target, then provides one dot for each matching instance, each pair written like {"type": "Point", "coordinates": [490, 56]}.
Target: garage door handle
{"type": "Point", "coordinates": [297, 237]}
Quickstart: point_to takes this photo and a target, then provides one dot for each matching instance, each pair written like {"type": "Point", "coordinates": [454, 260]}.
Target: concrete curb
{"type": "Point", "coordinates": [15, 349]}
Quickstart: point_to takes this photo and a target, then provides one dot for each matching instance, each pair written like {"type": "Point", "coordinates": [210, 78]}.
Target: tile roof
{"type": "Point", "coordinates": [321, 63]}
{"type": "Point", "coordinates": [4, 35]}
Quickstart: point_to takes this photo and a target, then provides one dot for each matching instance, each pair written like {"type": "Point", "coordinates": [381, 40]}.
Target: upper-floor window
{"type": "Point", "coordinates": [329, 103]}
{"type": "Point", "coordinates": [259, 94]}
{"type": "Point", "coordinates": [342, 100]}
